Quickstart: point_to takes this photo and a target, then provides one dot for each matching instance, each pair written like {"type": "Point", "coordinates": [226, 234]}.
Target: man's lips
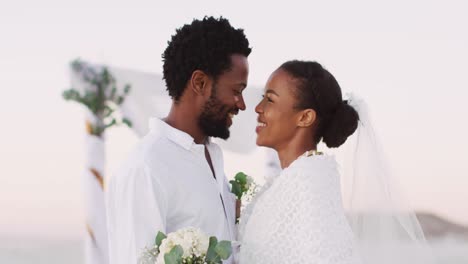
{"type": "Point", "coordinates": [233, 113]}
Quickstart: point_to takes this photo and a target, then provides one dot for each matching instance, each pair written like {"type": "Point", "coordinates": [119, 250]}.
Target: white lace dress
{"type": "Point", "coordinates": [298, 217]}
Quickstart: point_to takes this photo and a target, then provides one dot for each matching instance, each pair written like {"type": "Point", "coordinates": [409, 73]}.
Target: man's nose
{"type": "Point", "coordinates": [241, 103]}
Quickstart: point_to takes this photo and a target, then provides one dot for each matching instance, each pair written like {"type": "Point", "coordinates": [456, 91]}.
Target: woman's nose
{"type": "Point", "coordinates": [258, 108]}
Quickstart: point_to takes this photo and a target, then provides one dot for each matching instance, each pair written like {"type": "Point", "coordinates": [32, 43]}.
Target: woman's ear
{"type": "Point", "coordinates": [307, 118]}
{"type": "Point", "coordinates": [199, 82]}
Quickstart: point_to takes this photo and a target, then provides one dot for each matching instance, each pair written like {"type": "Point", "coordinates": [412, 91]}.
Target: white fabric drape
{"type": "Point", "coordinates": [96, 245]}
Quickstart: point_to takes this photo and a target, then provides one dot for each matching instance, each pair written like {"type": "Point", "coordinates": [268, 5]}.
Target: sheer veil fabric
{"type": "Point", "coordinates": [385, 226]}
{"type": "Point", "coordinates": [298, 216]}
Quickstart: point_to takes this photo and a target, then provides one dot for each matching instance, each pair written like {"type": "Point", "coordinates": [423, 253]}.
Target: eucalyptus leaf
{"type": "Point", "coordinates": [127, 122]}
{"type": "Point", "coordinates": [99, 96]}
{"type": "Point", "coordinates": [113, 92]}
{"type": "Point", "coordinates": [211, 252]}
{"type": "Point", "coordinates": [113, 122]}
{"type": "Point", "coordinates": [127, 89]}
{"type": "Point", "coordinates": [108, 111]}
{"type": "Point", "coordinates": [174, 256]}
{"type": "Point", "coordinates": [223, 249]}
{"type": "Point", "coordinates": [159, 238]}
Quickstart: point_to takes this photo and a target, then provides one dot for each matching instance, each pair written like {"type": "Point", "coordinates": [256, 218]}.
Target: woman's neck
{"type": "Point", "coordinates": [292, 151]}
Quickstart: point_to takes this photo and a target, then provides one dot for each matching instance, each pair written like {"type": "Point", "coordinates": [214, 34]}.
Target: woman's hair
{"type": "Point", "coordinates": [317, 89]}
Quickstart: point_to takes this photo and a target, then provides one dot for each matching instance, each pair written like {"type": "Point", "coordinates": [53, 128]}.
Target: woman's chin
{"type": "Point", "coordinates": [261, 143]}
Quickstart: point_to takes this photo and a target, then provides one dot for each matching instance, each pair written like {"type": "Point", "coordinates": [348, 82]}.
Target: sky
{"type": "Point", "coordinates": [408, 59]}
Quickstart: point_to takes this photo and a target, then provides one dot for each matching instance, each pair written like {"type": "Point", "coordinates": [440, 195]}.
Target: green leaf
{"type": "Point", "coordinates": [120, 100]}
{"type": "Point", "coordinates": [236, 189]}
{"type": "Point", "coordinates": [77, 65]}
{"type": "Point", "coordinates": [113, 92]}
{"type": "Point", "coordinates": [174, 256]}
{"type": "Point", "coordinates": [159, 238]}
{"type": "Point", "coordinates": [224, 249]}
{"type": "Point", "coordinates": [127, 89]}
{"type": "Point", "coordinates": [105, 76]}
{"type": "Point", "coordinates": [108, 111]}
{"type": "Point", "coordinates": [102, 95]}
{"type": "Point", "coordinates": [71, 95]}
{"type": "Point", "coordinates": [113, 122]}
{"type": "Point", "coordinates": [211, 255]}
{"type": "Point", "coordinates": [97, 130]}
{"type": "Point", "coordinates": [127, 122]}
{"type": "Point", "coordinates": [241, 178]}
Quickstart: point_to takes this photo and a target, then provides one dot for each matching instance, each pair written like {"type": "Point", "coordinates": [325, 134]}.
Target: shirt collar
{"type": "Point", "coordinates": [177, 136]}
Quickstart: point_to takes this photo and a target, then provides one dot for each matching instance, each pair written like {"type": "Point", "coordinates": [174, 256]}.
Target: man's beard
{"type": "Point", "coordinates": [214, 118]}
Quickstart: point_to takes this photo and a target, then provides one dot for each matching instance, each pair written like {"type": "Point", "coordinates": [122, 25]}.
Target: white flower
{"type": "Point", "coordinates": [250, 180]}
{"type": "Point", "coordinates": [160, 259]}
{"type": "Point", "coordinates": [192, 240]}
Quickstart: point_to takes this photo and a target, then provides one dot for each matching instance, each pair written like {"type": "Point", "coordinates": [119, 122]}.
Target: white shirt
{"type": "Point", "coordinates": [167, 184]}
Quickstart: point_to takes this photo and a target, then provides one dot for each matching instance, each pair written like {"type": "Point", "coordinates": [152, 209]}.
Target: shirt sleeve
{"type": "Point", "coordinates": [136, 211]}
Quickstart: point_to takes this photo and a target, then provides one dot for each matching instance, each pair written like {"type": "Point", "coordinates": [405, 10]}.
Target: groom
{"type": "Point", "coordinates": [174, 178]}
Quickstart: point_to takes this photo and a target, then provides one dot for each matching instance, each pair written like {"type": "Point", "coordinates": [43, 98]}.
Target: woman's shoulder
{"type": "Point", "coordinates": [313, 171]}
{"type": "Point", "coordinates": [316, 163]}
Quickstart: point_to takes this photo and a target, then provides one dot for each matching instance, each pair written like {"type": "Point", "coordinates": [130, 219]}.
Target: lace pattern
{"type": "Point", "coordinates": [298, 217]}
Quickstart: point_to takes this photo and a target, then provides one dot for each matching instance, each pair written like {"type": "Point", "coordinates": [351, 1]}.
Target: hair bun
{"type": "Point", "coordinates": [341, 125]}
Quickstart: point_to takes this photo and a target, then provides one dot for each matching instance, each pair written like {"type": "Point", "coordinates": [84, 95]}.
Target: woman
{"type": "Point", "coordinates": [298, 217]}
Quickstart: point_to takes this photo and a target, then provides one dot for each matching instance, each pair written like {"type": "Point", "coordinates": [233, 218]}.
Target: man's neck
{"type": "Point", "coordinates": [185, 120]}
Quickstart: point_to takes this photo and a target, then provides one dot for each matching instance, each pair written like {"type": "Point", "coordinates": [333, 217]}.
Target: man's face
{"type": "Point", "coordinates": [226, 99]}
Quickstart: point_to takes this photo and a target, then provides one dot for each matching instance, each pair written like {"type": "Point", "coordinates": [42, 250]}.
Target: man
{"type": "Point", "coordinates": [175, 177]}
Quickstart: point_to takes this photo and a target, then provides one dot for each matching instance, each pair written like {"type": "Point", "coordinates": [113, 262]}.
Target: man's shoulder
{"type": "Point", "coordinates": [147, 155]}
{"type": "Point", "coordinates": [151, 146]}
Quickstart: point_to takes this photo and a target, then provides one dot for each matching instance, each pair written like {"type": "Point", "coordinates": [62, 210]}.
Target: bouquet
{"type": "Point", "coordinates": [186, 246]}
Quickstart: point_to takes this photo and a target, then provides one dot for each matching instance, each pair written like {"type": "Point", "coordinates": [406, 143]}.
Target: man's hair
{"type": "Point", "coordinates": [205, 45]}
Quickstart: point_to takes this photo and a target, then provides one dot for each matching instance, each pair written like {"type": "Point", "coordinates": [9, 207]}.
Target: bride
{"type": "Point", "coordinates": [298, 217]}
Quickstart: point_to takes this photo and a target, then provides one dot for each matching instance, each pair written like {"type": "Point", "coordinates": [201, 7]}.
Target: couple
{"type": "Point", "coordinates": [174, 178]}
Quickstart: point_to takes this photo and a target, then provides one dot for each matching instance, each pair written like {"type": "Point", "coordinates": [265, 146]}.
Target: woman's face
{"type": "Point", "coordinates": [277, 117]}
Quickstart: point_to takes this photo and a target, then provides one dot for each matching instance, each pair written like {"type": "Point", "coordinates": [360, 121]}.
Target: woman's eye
{"type": "Point", "coordinates": [268, 98]}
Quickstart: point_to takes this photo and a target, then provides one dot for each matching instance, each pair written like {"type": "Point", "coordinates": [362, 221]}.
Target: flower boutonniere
{"type": "Point", "coordinates": [244, 188]}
